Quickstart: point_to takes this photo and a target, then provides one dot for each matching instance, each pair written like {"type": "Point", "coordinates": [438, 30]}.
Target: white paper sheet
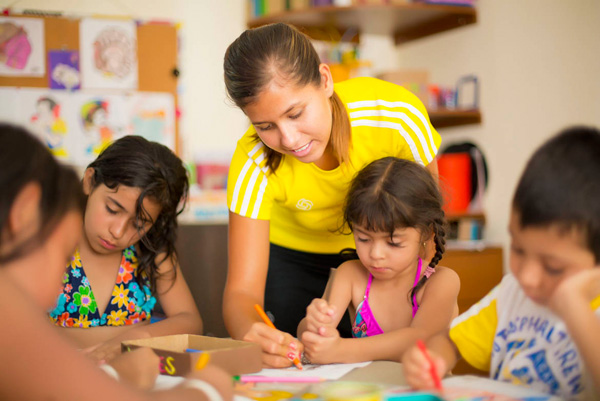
{"type": "Point", "coordinates": [333, 371]}
{"type": "Point", "coordinates": [165, 382]}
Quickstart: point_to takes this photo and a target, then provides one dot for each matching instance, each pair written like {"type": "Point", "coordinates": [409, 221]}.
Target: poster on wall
{"type": "Point", "coordinates": [44, 114]}
{"type": "Point", "coordinates": [108, 50]}
{"type": "Point", "coordinates": [22, 47]}
{"type": "Point", "coordinates": [152, 115]}
{"type": "Point", "coordinates": [63, 69]}
{"type": "Point", "coordinates": [77, 126]}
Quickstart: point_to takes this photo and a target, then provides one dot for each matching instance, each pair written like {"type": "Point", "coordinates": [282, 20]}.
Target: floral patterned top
{"type": "Point", "coordinates": [132, 300]}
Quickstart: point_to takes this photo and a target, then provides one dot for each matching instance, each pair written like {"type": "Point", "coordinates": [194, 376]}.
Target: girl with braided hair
{"type": "Point", "coordinates": [393, 208]}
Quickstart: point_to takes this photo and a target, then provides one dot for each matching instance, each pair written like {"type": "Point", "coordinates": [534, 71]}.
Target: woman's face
{"type": "Point", "coordinates": [295, 120]}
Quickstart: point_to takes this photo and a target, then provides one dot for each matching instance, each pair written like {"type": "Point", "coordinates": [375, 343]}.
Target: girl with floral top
{"type": "Point", "coordinates": [126, 257]}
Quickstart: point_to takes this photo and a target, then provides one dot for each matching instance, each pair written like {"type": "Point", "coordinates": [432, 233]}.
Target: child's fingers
{"type": "Point", "coordinates": [309, 338]}
{"type": "Point", "coordinates": [324, 307]}
{"type": "Point", "coordinates": [328, 331]}
{"type": "Point", "coordinates": [218, 378]}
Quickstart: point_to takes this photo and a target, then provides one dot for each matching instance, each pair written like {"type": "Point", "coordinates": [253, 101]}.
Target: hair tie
{"type": "Point", "coordinates": [429, 271]}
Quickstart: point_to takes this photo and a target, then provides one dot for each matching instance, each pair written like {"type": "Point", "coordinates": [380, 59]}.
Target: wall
{"type": "Point", "coordinates": [537, 62]}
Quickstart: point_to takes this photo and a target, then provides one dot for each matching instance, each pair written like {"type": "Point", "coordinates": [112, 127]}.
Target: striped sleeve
{"type": "Point", "coordinates": [473, 332]}
{"type": "Point", "coordinates": [396, 108]}
{"type": "Point", "coordinates": [247, 183]}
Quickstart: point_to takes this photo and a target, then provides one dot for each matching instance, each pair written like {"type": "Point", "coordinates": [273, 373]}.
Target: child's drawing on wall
{"type": "Point", "coordinates": [108, 54]}
{"type": "Point", "coordinates": [153, 117]}
{"type": "Point", "coordinates": [98, 134]}
{"type": "Point", "coordinates": [114, 52]}
{"type": "Point", "coordinates": [49, 126]}
{"type": "Point", "coordinates": [151, 124]}
{"type": "Point", "coordinates": [21, 46]}
{"type": "Point", "coordinates": [64, 69]}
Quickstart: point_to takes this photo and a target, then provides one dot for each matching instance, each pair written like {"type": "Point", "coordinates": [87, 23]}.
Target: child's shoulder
{"type": "Point", "coordinates": [352, 270]}
{"type": "Point", "coordinates": [446, 277]}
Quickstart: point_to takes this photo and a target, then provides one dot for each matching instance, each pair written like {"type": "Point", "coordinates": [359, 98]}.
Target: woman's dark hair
{"type": "Point", "coordinates": [561, 186]}
{"type": "Point", "coordinates": [24, 160]}
{"type": "Point", "coordinates": [135, 162]}
{"type": "Point", "coordinates": [262, 54]}
{"type": "Point", "coordinates": [391, 193]}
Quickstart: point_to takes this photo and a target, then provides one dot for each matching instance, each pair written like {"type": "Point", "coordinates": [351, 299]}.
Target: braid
{"type": "Point", "coordinates": [439, 236]}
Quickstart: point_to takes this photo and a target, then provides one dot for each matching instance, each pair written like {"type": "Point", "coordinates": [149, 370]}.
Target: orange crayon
{"type": "Point", "coordinates": [269, 323]}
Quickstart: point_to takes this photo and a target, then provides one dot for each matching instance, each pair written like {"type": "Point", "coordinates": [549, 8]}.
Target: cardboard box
{"type": "Point", "coordinates": [416, 81]}
{"type": "Point", "coordinates": [235, 357]}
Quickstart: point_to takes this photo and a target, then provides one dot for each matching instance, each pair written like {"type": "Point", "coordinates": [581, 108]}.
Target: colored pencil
{"type": "Point", "coordinates": [202, 361]}
{"type": "Point", "coordinates": [267, 379]}
{"type": "Point", "coordinates": [269, 323]}
{"type": "Point", "coordinates": [436, 379]}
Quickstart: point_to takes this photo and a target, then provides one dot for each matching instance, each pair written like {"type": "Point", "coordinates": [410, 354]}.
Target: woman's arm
{"type": "Point", "coordinates": [245, 286]}
{"type": "Point", "coordinates": [436, 310]}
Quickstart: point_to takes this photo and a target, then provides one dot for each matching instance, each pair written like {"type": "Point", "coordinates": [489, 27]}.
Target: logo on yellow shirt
{"type": "Point", "coordinates": [304, 204]}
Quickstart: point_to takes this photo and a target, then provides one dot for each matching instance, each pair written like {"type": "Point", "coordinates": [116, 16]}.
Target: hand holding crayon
{"type": "Point", "coordinates": [269, 323]}
{"type": "Point", "coordinates": [436, 379]}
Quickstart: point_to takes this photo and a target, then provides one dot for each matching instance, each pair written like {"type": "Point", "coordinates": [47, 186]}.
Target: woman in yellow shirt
{"type": "Point", "coordinates": [290, 173]}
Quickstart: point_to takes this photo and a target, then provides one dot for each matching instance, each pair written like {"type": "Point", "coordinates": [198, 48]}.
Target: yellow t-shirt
{"type": "Point", "coordinates": [303, 202]}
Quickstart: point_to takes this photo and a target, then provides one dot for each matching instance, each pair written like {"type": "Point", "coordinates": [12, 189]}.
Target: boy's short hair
{"type": "Point", "coordinates": [561, 186]}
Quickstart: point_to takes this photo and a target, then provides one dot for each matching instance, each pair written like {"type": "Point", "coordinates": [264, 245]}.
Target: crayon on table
{"type": "Point", "coordinates": [269, 323]}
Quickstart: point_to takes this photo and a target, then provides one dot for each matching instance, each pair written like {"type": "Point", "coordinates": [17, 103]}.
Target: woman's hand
{"type": "Point", "coordinates": [319, 314]}
{"type": "Point", "coordinates": [417, 369]}
{"type": "Point", "coordinates": [139, 367]}
{"type": "Point", "coordinates": [324, 346]}
{"type": "Point", "coordinates": [278, 348]}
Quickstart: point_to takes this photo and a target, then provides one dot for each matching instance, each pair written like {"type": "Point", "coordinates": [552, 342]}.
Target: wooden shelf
{"type": "Point", "coordinates": [450, 117]}
{"type": "Point", "coordinates": [466, 215]}
{"type": "Point", "coordinates": [405, 22]}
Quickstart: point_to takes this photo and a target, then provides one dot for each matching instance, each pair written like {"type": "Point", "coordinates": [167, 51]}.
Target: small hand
{"type": "Point", "coordinates": [417, 367]}
{"type": "Point", "coordinates": [110, 349]}
{"type": "Point", "coordinates": [218, 378]}
{"type": "Point", "coordinates": [579, 289]}
{"type": "Point", "coordinates": [323, 347]}
{"type": "Point", "coordinates": [105, 351]}
{"type": "Point", "coordinates": [319, 314]}
{"type": "Point", "coordinates": [279, 348]}
{"type": "Point", "coordinates": [139, 367]}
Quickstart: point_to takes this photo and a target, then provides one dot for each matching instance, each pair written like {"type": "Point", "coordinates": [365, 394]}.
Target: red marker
{"type": "Point", "coordinates": [436, 379]}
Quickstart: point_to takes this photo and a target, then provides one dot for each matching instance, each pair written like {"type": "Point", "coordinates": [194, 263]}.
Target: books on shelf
{"type": "Point", "coordinates": [260, 8]}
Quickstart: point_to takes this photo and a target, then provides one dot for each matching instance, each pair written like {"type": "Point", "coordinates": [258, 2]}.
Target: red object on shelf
{"type": "Point", "coordinates": [455, 181]}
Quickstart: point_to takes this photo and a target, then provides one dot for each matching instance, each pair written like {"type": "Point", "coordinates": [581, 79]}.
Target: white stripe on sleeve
{"type": "Point", "coordinates": [403, 117]}
{"type": "Point", "coordinates": [386, 124]}
{"type": "Point", "coordinates": [410, 107]}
